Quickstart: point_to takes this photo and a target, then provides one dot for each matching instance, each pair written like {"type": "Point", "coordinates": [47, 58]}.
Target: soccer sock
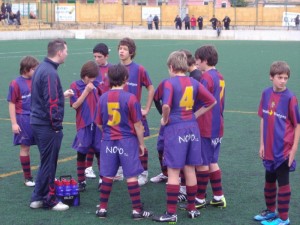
{"type": "Point", "coordinates": [216, 183]}
{"type": "Point", "coordinates": [90, 157]}
{"type": "Point", "coordinates": [202, 182]}
{"type": "Point", "coordinates": [105, 190]}
{"type": "Point", "coordinates": [25, 163]}
{"type": "Point", "coordinates": [270, 192]}
{"type": "Point", "coordinates": [163, 168]}
{"type": "Point", "coordinates": [80, 166]}
{"type": "Point", "coordinates": [182, 178]}
{"type": "Point", "coordinates": [172, 195]}
{"type": "Point", "coordinates": [134, 191]}
{"type": "Point", "coordinates": [283, 201]}
{"type": "Point", "coordinates": [144, 160]}
{"type": "Point", "coordinates": [191, 192]}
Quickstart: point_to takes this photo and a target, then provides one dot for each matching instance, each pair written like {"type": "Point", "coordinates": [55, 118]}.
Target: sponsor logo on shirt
{"type": "Point", "coordinates": [271, 113]}
{"type": "Point", "coordinates": [131, 84]}
{"type": "Point", "coordinates": [26, 96]}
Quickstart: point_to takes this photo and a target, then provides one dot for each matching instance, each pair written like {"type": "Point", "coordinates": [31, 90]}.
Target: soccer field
{"type": "Point", "coordinates": [245, 66]}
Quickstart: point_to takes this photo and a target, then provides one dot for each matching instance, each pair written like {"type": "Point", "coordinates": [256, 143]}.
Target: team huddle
{"type": "Point", "coordinates": [111, 125]}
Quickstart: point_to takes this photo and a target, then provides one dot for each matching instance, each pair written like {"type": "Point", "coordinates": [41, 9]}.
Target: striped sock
{"type": "Point", "coordinates": [191, 192]}
{"type": "Point", "coordinates": [80, 171]}
{"type": "Point", "coordinates": [163, 168]}
{"type": "Point", "coordinates": [25, 163]}
{"type": "Point", "coordinates": [283, 201]}
{"type": "Point", "coordinates": [90, 157]}
{"type": "Point", "coordinates": [144, 160]}
{"type": "Point", "coordinates": [270, 192]}
{"type": "Point", "coordinates": [172, 195]}
{"type": "Point", "coordinates": [216, 182]}
{"type": "Point", "coordinates": [135, 195]}
{"type": "Point", "coordinates": [105, 190]}
{"type": "Point", "coordinates": [202, 182]}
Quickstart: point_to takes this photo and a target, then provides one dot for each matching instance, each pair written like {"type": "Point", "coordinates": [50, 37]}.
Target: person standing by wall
{"type": "Point", "coordinates": [214, 21]}
{"type": "Point", "coordinates": [200, 22]}
{"type": "Point", "coordinates": [47, 113]}
{"type": "Point", "coordinates": [156, 22]}
{"type": "Point", "coordinates": [297, 21]}
{"type": "Point", "coordinates": [187, 21]}
{"type": "Point", "coordinates": [178, 23]}
{"type": "Point", "coordinates": [149, 22]}
{"type": "Point", "coordinates": [226, 22]}
{"type": "Point", "coordinates": [193, 22]}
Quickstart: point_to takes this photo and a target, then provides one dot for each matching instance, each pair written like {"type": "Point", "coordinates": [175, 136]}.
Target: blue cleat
{"type": "Point", "coordinates": [265, 215]}
{"type": "Point", "coordinates": [277, 221]}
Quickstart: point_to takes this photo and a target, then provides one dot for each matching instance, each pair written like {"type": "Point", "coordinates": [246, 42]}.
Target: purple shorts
{"type": "Point", "coordinates": [210, 150]}
{"type": "Point", "coordinates": [123, 152]}
{"type": "Point", "coordinates": [146, 127]}
{"type": "Point", "coordinates": [160, 139]}
{"type": "Point", "coordinates": [25, 137]}
{"type": "Point", "coordinates": [271, 166]}
{"type": "Point", "coordinates": [182, 145]}
{"type": "Point", "coordinates": [86, 138]}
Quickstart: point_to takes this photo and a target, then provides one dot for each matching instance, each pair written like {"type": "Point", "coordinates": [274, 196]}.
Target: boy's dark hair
{"type": "Point", "coordinates": [117, 75]}
{"type": "Point", "coordinates": [28, 63]}
{"type": "Point", "coordinates": [90, 69]}
{"type": "Point", "coordinates": [190, 59]}
{"type": "Point", "coordinates": [208, 53]}
{"type": "Point", "coordinates": [130, 44]}
{"type": "Point", "coordinates": [101, 48]}
{"type": "Point", "coordinates": [54, 46]}
{"type": "Point", "coordinates": [279, 67]}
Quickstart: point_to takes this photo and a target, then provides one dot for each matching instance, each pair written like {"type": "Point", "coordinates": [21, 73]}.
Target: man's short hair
{"type": "Point", "coordinates": [55, 46]}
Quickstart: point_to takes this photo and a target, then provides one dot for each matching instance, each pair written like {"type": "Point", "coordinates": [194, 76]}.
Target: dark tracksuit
{"type": "Point", "coordinates": [47, 112]}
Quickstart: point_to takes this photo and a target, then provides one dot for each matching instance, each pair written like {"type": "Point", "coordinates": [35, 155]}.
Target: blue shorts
{"type": "Point", "coordinates": [25, 137]}
{"type": "Point", "coordinates": [86, 138]}
{"type": "Point", "coordinates": [123, 152]}
{"type": "Point", "coordinates": [182, 145]}
{"type": "Point", "coordinates": [160, 139]}
{"type": "Point", "coordinates": [271, 166]}
{"type": "Point", "coordinates": [210, 150]}
{"type": "Point", "coordinates": [146, 127]}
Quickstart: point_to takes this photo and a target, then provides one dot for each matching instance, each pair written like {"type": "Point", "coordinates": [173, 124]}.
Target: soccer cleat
{"type": "Point", "coordinates": [198, 205]}
{"type": "Point", "coordinates": [221, 203]}
{"type": "Point", "coordinates": [89, 173]}
{"type": "Point", "coordinates": [141, 215]}
{"type": "Point", "coordinates": [101, 213]}
{"type": "Point", "coordinates": [36, 204]}
{"type": "Point", "coordinates": [277, 221]}
{"type": "Point", "coordinates": [165, 218]}
{"type": "Point", "coordinates": [29, 182]}
{"type": "Point", "coordinates": [81, 186]}
{"type": "Point", "coordinates": [60, 207]}
{"type": "Point", "coordinates": [193, 214]}
{"type": "Point", "coordinates": [119, 176]}
{"type": "Point", "coordinates": [159, 178]}
{"type": "Point", "coordinates": [181, 198]}
{"type": "Point", "coordinates": [143, 178]}
{"type": "Point", "coordinates": [265, 215]}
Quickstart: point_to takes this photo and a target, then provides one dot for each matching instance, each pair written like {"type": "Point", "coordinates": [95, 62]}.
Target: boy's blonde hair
{"type": "Point", "coordinates": [178, 61]}
{"type": "Point", "coordinates": [279, 67]}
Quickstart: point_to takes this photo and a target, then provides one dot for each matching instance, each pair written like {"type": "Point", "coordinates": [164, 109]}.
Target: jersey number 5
{"type": "Point", "coordinates": [187, 100]}
{"type": "Point", "coordinates": [114, 113]}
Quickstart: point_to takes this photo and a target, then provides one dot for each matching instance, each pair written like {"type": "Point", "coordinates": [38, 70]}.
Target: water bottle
{"type": "Point", "coordinates": [59, 189]}
{"type": "Point", "coordinates": [67, 187]}
{"type": "Point", "coordinates": [74, 187]}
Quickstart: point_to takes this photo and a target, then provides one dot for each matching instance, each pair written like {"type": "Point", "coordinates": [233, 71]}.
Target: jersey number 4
{"type": "Point", "coordinates": [187, 100]}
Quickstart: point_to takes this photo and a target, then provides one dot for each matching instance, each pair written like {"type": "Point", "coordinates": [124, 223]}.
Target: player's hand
{"type": "Point", "coordinates": [89, 87]}
{"type": "Point", "coordinates": [68, 93]}
{"type": "Point", "coordinates": [16, 129]}
{"type": "Point", "coordinates": [142, 150]}
{"type": "Point", "coordinates": [162, 122]}
{"type": "Point", "coordinates": [291, 157]}
{"type": "Point", "coordinates": [144, 112]}
{"type": "Point", "coordinates": [261, 152]}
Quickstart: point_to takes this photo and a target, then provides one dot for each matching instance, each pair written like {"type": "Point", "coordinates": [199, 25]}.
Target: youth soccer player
{"type": "Point", "coordinates": [211, 126]}
{"type": "Point", "coordinates": [120, 118]}
{"type": "Point", "coordinates": [279, 138]}
{"type": "Point", "coordinates": [84, 101]}
{"type": "Point", "coordinates": [138, 77]}
{"type": "Point", "coordinates": [181, 130]}
{"type": "Point", "coordinates": [19, 96]}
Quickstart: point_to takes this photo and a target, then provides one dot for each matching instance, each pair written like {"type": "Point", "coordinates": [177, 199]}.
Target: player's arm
{"type": "Point", "coordinates": [165, 114]}
{"type": "Point", "coordinates": [261, 145]}
{"type": "Point", "coordinates": [88, 88]}
{"type": "Point", "coordinates": [12, 113]}
{"type": "Point", "coordinates": [150, 89]}
{"type": "Point", "coordinates": [295, 145]}
{"type": "Point", "coordinates": [68, 93]}
{"type": "Point", "coordinates": [139, 129]}
{"type": "Point", "coordinates": [203, 110]}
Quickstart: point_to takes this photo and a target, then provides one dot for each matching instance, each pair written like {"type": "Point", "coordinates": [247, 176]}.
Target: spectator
{"type": "Point", "coordinates": [12, 20]}
{"type": "Point", "coordinates": [193, 22]}
{"type": "Point", "coordinates": [178, 23]}
{"type": "Point", "coordinates": [156, 21]}
{"type": "Point", "coordinates": [18, 17]}
{"type": "Point", "coordinates": [226, 22]}
{"type": "Point", "coordinates": [8, 8]}
{"type": "Point", "coordinates": [219, 27]}
{"type": "Point", "coordinates": [149, 22]}
{"type": "Point", "coordinates": [32, 15]}
{"type": "Point", "coordinates": [214, 21]}
{"type": "Point", "coordinates": [3, 8]}
{"type": "Point", "coordinates": [186, 21]}
{"type": "Point", "coordinates": [200, 22]}
{"type": "Point", "coordinates": [297, 20]}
